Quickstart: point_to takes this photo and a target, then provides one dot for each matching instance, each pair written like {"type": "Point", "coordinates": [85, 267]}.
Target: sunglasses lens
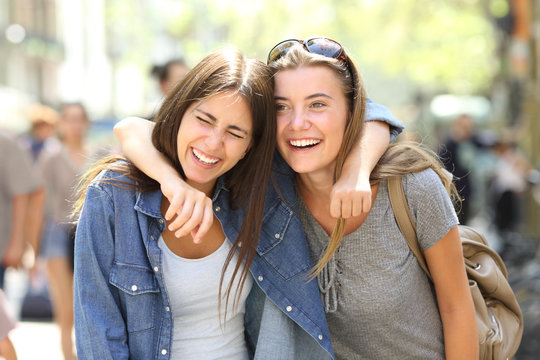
{"type": "Point", "coordinates": [280, 49]}
{"type": "Point", "coordinates": [325, 47]}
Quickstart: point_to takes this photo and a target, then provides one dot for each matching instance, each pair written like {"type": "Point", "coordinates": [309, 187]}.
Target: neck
{"type": "Point", "coordinates": [319, 183]}
{"type": "Point", "coordinates": [73, 144]}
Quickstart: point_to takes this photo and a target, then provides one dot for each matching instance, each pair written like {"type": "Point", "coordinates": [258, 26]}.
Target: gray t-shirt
{"type": "Point", "coordinates": [16, 177]}
{"type": "Point", "coordinates": [379, 302]}
{"type": "Point", "coordinates": [60, 175]}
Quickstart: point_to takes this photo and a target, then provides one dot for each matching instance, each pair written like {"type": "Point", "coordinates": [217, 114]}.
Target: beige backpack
{"type": "Point", "coordinates": [499, 318]}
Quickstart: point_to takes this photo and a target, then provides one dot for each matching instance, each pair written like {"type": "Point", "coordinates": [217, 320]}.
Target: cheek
{"type": "Point", "coordinates": [281, 124]}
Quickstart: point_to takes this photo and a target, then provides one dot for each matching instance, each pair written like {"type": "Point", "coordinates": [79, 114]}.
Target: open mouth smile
{"type": "Point", "coordinates": [301, 144]}
{"type": "Point", "coordinates": [204, 158]}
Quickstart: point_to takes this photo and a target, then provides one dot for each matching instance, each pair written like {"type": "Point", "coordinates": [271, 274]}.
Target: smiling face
{"type": "Point", "coordinates": [74, 123]}
{"type": "Point", "coordinates": [214, 135]}
{"type": "Point", "coordinates": [312, 114]}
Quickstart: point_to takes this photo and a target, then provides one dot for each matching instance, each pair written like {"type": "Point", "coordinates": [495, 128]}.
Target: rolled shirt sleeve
{"type": "Point", "coordinates": [378, 112]}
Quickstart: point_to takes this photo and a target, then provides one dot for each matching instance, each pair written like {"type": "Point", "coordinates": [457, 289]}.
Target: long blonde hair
{"type": "Point", "coordinates": [398, 160]}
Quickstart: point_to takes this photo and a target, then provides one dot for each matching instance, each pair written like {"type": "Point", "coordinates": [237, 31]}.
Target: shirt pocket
{"type": "Point", "coordinates": [282, 243]}
{"type": "Point", "coordinates": [140, 295]}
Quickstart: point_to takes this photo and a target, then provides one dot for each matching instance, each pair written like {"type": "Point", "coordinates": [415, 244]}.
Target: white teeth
{"type": "Point", "coordinates": [304, 142]}
{"type": "Point", "coordinates": [204, 159]}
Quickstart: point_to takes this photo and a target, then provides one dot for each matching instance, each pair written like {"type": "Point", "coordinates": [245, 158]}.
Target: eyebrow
{"type": "Point", "coordinates": [307, 97]}
{"type": "Point", "coordinates": [214, 119]}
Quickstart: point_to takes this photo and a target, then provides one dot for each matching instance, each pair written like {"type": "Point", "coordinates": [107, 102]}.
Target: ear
{"type": "Point", "coordinates": [247, 150]}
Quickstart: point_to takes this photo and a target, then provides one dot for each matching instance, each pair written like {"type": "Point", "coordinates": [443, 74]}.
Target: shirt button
{"type": "Point", "coordinates": [156, 269]}
{"type": "Point", "coordinates": [320, 337]}
{"type": "Point", "coordinates": [260, 278]}
{"type": "Point", "coordinates": [167, 309]}
{"type": "Point", "coordinates": [164, 352]}
{"type": "Point", "coordinates": [152, 237]}
{"type": "Point", "coordinates": [288, 308]}
{"type": "Point", "coordinates": [134, 288]}
{"type": "Point", "coordinates": [277, 236]}
{"type": "Point", "coordinates": [217, 208]}
{"type": "Point", "coordinates": [161, 221]}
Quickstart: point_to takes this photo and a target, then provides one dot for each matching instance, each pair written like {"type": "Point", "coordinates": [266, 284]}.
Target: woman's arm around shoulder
{"type": "Point", "coordinates": [192, 208]}
{"type": "Point", "coordinates": [351, 194]}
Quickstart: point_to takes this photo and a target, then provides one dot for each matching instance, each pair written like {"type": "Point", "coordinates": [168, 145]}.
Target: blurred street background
{"type": "Point", "coordinates": [462, 75]}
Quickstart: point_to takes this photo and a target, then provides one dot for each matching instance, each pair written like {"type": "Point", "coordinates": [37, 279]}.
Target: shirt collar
{"type": "Point", "coordinates": [149, 202]}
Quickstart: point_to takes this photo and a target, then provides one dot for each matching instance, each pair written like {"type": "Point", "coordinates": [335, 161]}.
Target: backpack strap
{"type": "Point", "coordinates": [404, 219]}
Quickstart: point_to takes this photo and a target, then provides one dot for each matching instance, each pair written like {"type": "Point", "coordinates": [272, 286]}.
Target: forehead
{"type": "Point", "coordinates": [307, 79]}
{"type": "Point", "coordinates": [228, 108]}
{"type": "Point", "coordinates": [72, 110]}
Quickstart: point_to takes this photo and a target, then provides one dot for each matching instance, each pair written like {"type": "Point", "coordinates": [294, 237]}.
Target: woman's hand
{"type": "Point", "coordinates": [350, 196]}
{"type": "Point", "coordinates": [189, 209]}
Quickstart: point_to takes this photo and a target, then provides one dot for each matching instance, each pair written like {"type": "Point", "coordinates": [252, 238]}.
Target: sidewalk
{"type": "Point", "coordinates": [32, 340]}
{"type": "Point", "coordinates": [37, 340]}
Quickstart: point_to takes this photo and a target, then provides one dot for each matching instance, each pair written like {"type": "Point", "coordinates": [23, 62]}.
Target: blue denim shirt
{"type": "Point", "coordinates": [117, 257]}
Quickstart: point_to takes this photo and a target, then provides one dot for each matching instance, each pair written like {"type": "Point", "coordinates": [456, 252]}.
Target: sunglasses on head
{"type": "Point", "coordinates": [318, 45]}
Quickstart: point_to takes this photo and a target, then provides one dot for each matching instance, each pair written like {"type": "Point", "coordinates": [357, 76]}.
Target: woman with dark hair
{"type": "Point", "coordinates": [141, 293]}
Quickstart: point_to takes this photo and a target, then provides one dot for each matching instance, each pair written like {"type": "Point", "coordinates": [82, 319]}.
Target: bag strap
{"type": "Point", "coordinates": [404, 219]}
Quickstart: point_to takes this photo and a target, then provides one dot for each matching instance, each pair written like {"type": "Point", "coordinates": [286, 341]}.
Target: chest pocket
{"type": "Point", "coordinates": [139, 295]}
{"type": "Point", "coordinates": [282, 243]}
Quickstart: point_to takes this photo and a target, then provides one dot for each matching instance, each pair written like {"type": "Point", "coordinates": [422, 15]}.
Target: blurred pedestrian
{"type": "Point", "coordinates": [21, 197]}
{"type": "Point", "coordinates": [60, 164]}
{"type": "Point", "coordinates": [21, 200]}
{"type": "Point", "coordinates": [43, 122]}
{"type": "Point", "coordinates": [508, 186]}
{"type": "Point", "coordinates": [7, 323]}
{"type": "Point", "coordinates": [458, 154]}
{"type": "Point", "coordinates": [169, 74]}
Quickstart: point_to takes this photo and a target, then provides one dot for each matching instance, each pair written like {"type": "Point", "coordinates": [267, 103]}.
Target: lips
{"type": "Point", "coordinates": [204, 158]}
{"type": "Point", "coordinates": [302, 144]}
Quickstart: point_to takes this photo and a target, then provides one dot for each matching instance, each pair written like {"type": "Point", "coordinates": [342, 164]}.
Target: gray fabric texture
{"type": "Point", "coordinates": [379, 302]}
{"type": "Point", "coordinates": [16, 177]}
{"type": "Point", "coordinates": [60, 175]}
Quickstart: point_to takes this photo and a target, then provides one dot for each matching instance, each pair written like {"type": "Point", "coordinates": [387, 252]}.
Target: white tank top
{"type": "Point", "coordinates": [193, 287]}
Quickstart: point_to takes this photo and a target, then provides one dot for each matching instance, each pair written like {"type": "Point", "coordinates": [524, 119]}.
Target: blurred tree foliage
{"type": "Point", "coordinates": [445, 44]}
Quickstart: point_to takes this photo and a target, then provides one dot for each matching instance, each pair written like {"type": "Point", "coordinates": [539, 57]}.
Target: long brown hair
{"type": "Point", "coordinates": [399, 158]}
{"type": "Point", "coordinates": [221, 71]}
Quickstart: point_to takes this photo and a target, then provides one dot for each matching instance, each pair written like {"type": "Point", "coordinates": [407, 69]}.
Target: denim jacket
{"type": "Point", "coordinates": [117, 257]}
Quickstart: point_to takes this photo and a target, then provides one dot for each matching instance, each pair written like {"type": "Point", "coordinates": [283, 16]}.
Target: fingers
{"type": "Point", "coordinates": [175, 206]}
{"type": "Point", "coordinates": [195, 215]}
{"type": "Point", "coordinates": [348, 204]}
{"type": "Point", "coordinates": [186, 212]}
{"type": "Point", "coordinates": [190, 222]}
{"type": "Point", "coordinates": [207, 220]}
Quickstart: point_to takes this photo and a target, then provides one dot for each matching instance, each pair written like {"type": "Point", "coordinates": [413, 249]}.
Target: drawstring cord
{"type": "Point", "coordinates": [326, 280]}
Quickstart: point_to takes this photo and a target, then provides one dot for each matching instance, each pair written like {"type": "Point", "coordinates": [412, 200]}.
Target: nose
{"type": "Point", "coordinates": [299, 121]}
{"type": "Point", "coordinates": [214, 139]}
